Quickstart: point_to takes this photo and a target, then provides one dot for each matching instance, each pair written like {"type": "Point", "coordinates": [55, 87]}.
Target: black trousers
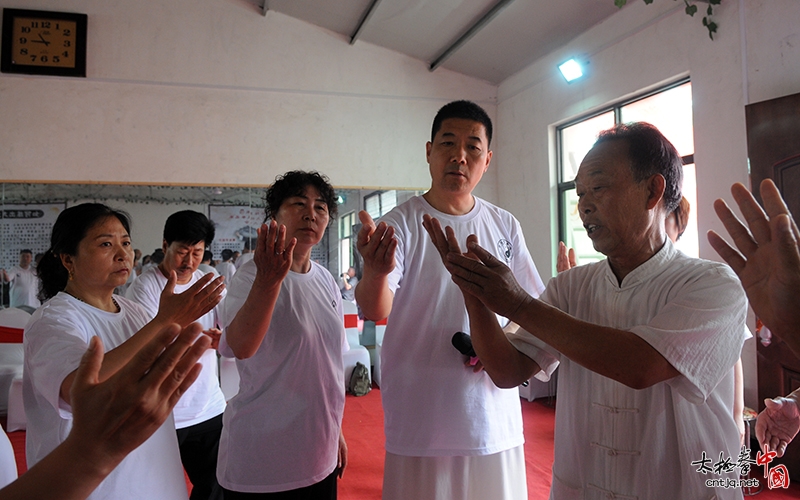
{"type": "Point", "coordinates": [199, 445]}
{"type": "Point", "coordinates": [323, 490]}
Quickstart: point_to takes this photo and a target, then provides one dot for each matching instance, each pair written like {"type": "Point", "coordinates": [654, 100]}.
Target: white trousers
{"type": "Point", "coordinates": [500, 476]}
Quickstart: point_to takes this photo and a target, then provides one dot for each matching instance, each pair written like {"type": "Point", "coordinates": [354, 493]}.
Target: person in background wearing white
{"type": "Point", "coordinates": [282, 433]}
{"type": "Point", "coordinates": [198, 415]}
{"type": "Point", "coordinates": [90, 255]}
{"type": "Point", "coordinates": [226, 267]}
{"type": "Point", "coordinates": [23, 282]}
{"type": "Point", "coordinates": [768, 264]}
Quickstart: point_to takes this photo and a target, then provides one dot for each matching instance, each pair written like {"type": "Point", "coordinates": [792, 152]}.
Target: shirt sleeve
{"type": "Point", "coordinates": [53, 349]}
{"type": "Point", "coordinates": [543, 354]}
{"type": "Point", "coordinates": [237, 293]}
{"type": "Point", "coordinates": [144, 291]}
{"type": "Point", "coordinates": [700, 332]}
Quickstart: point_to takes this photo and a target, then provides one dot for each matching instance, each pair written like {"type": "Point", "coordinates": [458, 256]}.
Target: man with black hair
{"type": "Point", "coordinates": [451, 433]}
{"type": "Point", "coordinates": [247, 253]}
{"type": "Point", "coordinates": [24, 283]}
{"type": "Point", "coordinates": [198, 414]}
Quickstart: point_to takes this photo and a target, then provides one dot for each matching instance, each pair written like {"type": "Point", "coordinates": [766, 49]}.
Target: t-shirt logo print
{"type": "Point", "coordinates": [504, 248]}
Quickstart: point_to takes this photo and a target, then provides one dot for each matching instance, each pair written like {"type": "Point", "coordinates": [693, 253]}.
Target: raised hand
{"type": "Point", "coordinates": [273, 257]}
{"type": "Point", "coordinates": [376, 244]}
{"type": "Point", "coordinates": [767, 261]}
{"type": "Point", "coordinates": [778, 424]}
{"type": "Point", "coordinates": [194, 302]}
{"type": "Point", "coordinates": [488, 279]}
{"type": "Point", "coordinates": [566, 258]}
{"type": "Point", "coordinates": [113, 417]}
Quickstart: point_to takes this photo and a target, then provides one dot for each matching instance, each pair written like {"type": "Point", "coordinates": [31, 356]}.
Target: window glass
{"type": "Point", "coordinates": [578, 139]}
{"type": "Point", "coordinates": [671, 112]}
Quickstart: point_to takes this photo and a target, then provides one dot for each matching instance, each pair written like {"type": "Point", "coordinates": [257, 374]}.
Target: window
{"type": "Point", "coordinates": [346, 242]}
{"type": "Point", "coordinates": [669, 109]}
{"type": "Point", "coordinates": [379, 203]}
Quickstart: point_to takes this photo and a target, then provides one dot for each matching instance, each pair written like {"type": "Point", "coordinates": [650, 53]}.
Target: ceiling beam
{"type": "Point", "coordinates": [471, 31]}
{"type": "Point", "coordinates": [364, 19]}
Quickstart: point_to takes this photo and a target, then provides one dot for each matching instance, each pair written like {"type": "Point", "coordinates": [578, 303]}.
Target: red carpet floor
{"type": "Point", "coordinates": [363, 430]}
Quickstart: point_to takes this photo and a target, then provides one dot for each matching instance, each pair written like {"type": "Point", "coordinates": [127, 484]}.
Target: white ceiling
{"type": "Point", "coordinates": [520, 32]}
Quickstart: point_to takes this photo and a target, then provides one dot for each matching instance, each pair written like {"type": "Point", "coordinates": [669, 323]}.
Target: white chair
{"type": "Point", "coordinates": [357, 352]}
{"type": "Point", "coordinates": [12, 324]}
{"type": "Point", "coordinates": [380, 329]}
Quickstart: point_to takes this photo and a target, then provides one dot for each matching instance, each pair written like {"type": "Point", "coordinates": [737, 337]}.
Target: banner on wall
{"type": "Point", "coordinates": [26, 226]}
{"type": "Point", "coordinates": [234, 225]}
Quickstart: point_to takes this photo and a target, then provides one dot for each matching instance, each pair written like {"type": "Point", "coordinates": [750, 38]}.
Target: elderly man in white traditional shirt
{"type": "Point", "coordinates": [646, 339]}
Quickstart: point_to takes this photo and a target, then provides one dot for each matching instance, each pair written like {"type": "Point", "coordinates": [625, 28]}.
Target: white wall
{"type": "Point", "coordinates": [754, 57]}
{"type": "Point", "coordinates": [212, 92]}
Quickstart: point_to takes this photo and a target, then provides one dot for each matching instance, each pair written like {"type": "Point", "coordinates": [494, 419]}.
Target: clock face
{"type": "Point", "coordinates": [43, 42]}
{"type": "Point", "coordinates": [39, 42]}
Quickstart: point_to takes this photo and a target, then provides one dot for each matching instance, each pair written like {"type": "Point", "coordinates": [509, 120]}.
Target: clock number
{"type": "Point", "coordinates": [23, 52]}
{"type": "Point", "coordinates": [34, 24]}
{"type": "Point", "coordinates": [43, 59]}
{"type": "Point", "coordinates": [23, 40]}
{"type": "Point", "coordinates": [67, 32]}
{"type": "Point", "coordinates": [65, 53]}
{"type": "Point", "coordinates": [56, 59]}
{"type": "Point", "coordinates": [33, 58]}
{"type": "Point", "coordinates": [45, 24]}
{"type": "Point", "coordinates": [26, 29]}
{"type": "Point", "coordinates": [67, 43]}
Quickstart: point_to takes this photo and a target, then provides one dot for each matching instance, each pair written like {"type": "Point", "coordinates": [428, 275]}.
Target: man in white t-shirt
{"type": "Point", "coordinates": [645, 340]}
{"type": "Point", "coordinates": [451, 434]}
{"type": "Point", "coordinates": [24, 283]}
{"type": "Point", "coordinates": [198, 414]}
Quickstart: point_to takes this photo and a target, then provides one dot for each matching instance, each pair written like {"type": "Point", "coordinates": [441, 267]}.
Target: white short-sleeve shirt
{"type": "Point", "coordinates": [281, 431]}
{"type": "Point", "coordinates": [204, 399]}
{"type": "Point", "coordinates": [433, 404]}
{"type": "Point", "coordinates": [55, 340]}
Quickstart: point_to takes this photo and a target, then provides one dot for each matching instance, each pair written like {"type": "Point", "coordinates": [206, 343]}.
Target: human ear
{"type": "Point", "coordinates": [656, 185]}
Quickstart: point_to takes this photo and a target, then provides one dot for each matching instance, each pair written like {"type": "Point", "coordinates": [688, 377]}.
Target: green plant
{"type": "Point", "coordinates": [691, 9]}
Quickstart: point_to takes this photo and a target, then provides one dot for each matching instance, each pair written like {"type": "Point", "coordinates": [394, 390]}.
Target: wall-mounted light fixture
{"type": "Point", "coordinates": [571, 70]}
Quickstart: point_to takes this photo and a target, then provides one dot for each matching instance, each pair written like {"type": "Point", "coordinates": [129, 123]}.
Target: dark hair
{"type": "Point", "coordinates": [650, 153]}
{"type": "Point", "coordinates": [207, 256]}
{"type": "Point", "coordinates": [466, 110]}
{"type": "Point", "coordinates": [190, 227]}
{"type": "Point", "coordinates": [157, 257]}
{"type": "Point", "coordinates": [69, 230]}
{"type": "Point", "coordinates": [293, 184]}
{"type": "Point", "coordinates": [227, 254]}
{"type": "Point", "coordinates": [25, 250]}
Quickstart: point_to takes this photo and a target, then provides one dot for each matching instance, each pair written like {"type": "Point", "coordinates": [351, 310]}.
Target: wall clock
{"type": "Point", "coordinates": [37, 42]}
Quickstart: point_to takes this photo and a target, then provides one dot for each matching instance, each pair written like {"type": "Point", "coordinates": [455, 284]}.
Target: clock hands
{"type": "Point", "coordinates": [42, 40]}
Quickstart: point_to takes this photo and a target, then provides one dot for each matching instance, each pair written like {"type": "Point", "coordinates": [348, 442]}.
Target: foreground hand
{"type": "Point", "coordinates": [341, 460]}
{"type": "Point", "coordinates": [376, 244]}
{"type": "Point", "coordinates": [214, 334]}
{"type": "Point", "coordinates": [194, 302]}
{"type": "Point", "coordinates": [114, 417]}
{"type": "Point", "coordinates": [273, 257]}
{"type": "Point", "coordinates": [778, 424]}
{"type": "Point", "coordinates": [489, 280]}
{"type": "Point", "coordinates": [566, 258]}
{"type": "Point", "coordinates": [767, 261]}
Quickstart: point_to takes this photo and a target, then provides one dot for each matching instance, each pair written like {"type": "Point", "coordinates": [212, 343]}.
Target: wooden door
{"type": "Point", "coordinates": [773, 147]}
